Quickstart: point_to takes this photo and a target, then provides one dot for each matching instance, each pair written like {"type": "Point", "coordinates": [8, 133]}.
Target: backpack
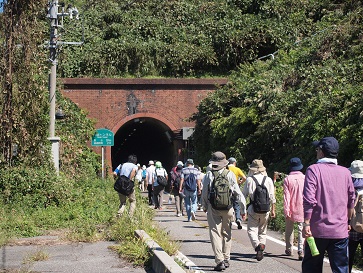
{"type": "Point", "coordinates": [219, 194]}
{"type": "Point", "coordinates": [124, 185]}
{"type": "Point", "coordinates": [357, 218]}
{"type": "Point", "coordinates": [190, 182]}
{"type": "Point", "coordinates": [143, 174]}
{"type": "Point", "coordinates": [175, 176]}
{"type": "Point", "coordinates": [161, 179]}
{"type": "Point", "coordinates": [261, 197]}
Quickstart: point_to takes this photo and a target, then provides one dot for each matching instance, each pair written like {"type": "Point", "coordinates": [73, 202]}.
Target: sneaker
{"type": "Point", "coordinates": [193, 215]}
{"type": "Point", "coordinates": [301, 255]}
{"type": "Point", "coordinates": [220, 267]}
{"type": "Point", "coordinates": [259, 250]}
{"type": "Point", "coordinates": [179, 214]}
{"type": "Point", "coordinates": [239, 223]}
{"type": "Point", "coordinates": [288, 252]}
{"type": "Point", "coordinates": [226, 263]}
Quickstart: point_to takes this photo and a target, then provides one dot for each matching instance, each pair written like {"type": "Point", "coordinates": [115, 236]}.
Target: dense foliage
{"type": "Point", "coordinates": [23, 84]}
{"type": "Point", "coordinates": [25, 100]}
{"type": "Point", "coordinates": [273, 109]}
{"type": "Point", "coordinates": [181, 38]}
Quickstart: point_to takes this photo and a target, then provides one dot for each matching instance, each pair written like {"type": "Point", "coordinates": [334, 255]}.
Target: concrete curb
{"type": "Point", "coordinates": [161, 261]}
{"type": "Point", "coordinates": [191, 267]}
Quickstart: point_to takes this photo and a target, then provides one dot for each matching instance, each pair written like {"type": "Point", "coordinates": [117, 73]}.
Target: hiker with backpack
{"type": "Point", "coordinates": [175, 177]}
{"type": "Point", "coordinates": [160, 180]}
{"type": "Point", "coordinates": [144, 178]}
{"type": "Point", "coordinates": [219, 186]}
{"type": "Point", "coordinates": [261, 191]}
{"type": "Point", "coordinates": [128, 170]}
{"type": "Point", "coordinates": [190, 186]}
{"type": "Point", "coordinates": [356, 231]}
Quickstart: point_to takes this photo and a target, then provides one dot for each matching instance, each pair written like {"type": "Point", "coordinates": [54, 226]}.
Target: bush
{"type": "Point", "coordinates": [33, 187]}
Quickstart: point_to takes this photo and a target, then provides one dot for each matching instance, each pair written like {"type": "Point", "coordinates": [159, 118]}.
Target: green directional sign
{"type": "Point", "coordinates": [103, 137]}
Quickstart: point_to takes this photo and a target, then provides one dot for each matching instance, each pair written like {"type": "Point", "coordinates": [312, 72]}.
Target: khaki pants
{"type": "Point", "coordinates": [220, 232]}
{"type": "Point", "coordinates": [289, 235]}
{"type": "Point", "coordinates": [123, 198]}
{"type": "Point", "coordinates": [257, 227]}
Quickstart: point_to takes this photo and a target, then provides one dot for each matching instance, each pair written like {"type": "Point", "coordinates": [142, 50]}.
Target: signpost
{"type": "Point", "coordinates": [103, 137]}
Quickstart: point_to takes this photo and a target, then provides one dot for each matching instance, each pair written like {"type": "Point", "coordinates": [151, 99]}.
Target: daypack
{"type": "Point", "coordinates": [190, 182]}
{"type": "Point", "coordinates": [357, 218]}
{"type": "Point", "coordinates": [261, 197]}
{"type": "Point", "coordinates": [124, 185]}
{"type": "Point", "coordinates": [161, 180]}
{"type": "Point", "coordinates": [219, 193]}
{"type": "Point", "coordinates": [143, 174]}
{"type": "Point", "coordinates": [176, 179]}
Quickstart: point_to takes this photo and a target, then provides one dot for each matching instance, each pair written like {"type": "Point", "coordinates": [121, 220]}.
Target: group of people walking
{"type": "Point", "coordinates": [320, 203]}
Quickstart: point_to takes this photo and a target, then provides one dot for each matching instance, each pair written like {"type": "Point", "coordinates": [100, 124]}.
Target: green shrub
{"type": "Point", "coordinates": [33, 187]}
{"type": "Point", "coordinates": [278, 223]}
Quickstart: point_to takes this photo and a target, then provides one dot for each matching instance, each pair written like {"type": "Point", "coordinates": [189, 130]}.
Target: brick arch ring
{"type": "Point", "coordinates": [158, 117]}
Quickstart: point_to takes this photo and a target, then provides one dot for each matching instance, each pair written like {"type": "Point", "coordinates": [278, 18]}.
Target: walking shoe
{"type": "Point", "coordinates": [193, 215]}
{"type": "Point", "coordinates": [179, 214]}
{"type": "Point", "coordinates": [226, 263]}
{"type": "Point", "coordinates": [259, 250]}
{"type": "Point", "coordinates": [288, 252]}
{"type": "Point", "coordinates": [301, 255]}
{"type": "Point", "coordinates": [220, 267]}
{"type": "Point", "coordinates": [238, 221]}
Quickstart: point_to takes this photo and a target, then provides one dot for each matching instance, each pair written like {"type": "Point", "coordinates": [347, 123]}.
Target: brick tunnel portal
{"type": "Point", "coordinates": [148, 139]}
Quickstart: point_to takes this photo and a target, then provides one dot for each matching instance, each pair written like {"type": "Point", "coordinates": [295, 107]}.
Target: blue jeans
{"type": "Point", "coordinates": [237, 209]}
{"type": "Point", "coordinates": [337, 252]}
{"type": "Point", "coordinates": [190, 202]}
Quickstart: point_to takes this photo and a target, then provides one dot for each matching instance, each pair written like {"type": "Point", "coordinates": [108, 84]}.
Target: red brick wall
{"type": "Point", "coordinates": [172, 101]}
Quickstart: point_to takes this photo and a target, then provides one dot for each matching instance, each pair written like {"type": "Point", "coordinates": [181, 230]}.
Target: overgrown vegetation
{"type": "Point", "coordinates": [294, 72]}
{"type": "Point", "coordinates": [83, 211]}
{"type": "Point", "coordinates": [274, 108]}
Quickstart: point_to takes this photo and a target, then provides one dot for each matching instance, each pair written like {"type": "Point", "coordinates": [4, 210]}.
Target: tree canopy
{"type": "Point", "coordinates": [294, 69]}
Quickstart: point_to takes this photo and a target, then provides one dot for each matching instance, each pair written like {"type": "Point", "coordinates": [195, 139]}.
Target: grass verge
{"type": "Point", "coordinates": [87, 215]}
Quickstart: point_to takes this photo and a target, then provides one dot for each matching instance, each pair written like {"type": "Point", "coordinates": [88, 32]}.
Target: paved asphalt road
{"type": "Point", "coordinates": [195, 244]}
{"type": "Point", "coordinates": [193, 237]}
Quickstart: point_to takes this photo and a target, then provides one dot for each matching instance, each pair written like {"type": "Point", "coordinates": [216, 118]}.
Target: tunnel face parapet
{"type": "Point", "coordinates": [165, 105]}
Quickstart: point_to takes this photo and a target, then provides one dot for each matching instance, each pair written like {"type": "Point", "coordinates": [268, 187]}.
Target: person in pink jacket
{"type": "Point", "coordinates": [293, 206]}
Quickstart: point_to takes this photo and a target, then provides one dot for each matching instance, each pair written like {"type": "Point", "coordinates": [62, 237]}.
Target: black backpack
{"type": "Point", "coordinates": [261, 197]}
{"type": "Point", "coordinates": [124, 185]}
{"type": "Point", "coordinates": [220, 193]}
{"type": "Point", "coordinates": [161, 179]}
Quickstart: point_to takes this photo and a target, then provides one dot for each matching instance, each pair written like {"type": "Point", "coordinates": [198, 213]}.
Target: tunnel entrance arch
{"type": "Point", "coordinates": [146, 137]}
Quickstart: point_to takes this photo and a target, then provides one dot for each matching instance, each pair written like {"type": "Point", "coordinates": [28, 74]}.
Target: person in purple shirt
{"type": "Point", "coordinates": [328, 200]}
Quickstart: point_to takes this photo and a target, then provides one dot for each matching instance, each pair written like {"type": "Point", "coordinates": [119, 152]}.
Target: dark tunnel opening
{"type": "Point", "coordinates": [148, 139]}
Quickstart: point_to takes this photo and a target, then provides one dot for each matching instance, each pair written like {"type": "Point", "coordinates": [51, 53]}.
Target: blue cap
{"type": "Point", "coordinates": [329, 146]}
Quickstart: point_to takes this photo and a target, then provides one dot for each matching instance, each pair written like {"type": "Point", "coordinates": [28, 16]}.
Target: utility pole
{"type": "Point", "coordinates": [53, 17]}
{"type": "Point", "coordinates": [53, 44]}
